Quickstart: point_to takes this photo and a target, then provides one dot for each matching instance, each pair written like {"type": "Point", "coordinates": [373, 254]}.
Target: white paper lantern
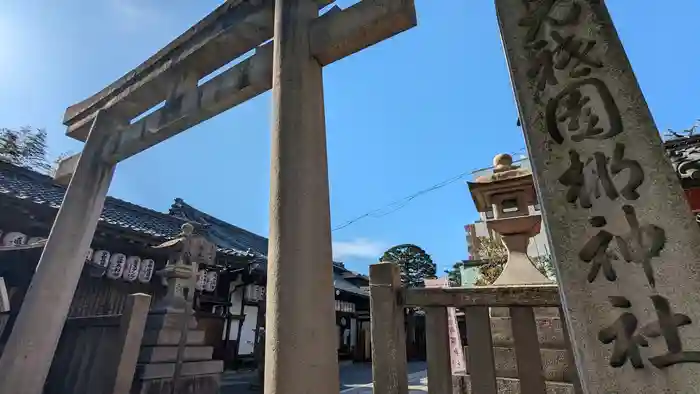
{"type": "Point", "coordinates": [14, 239]}
{"type": "Point", "coordinates": [116, 266]}
{"type": "Point", "coordinates": [146, 270]}
{"type": "Point", "coordinates": [34, 240]}
{"type": "Point", "coordinates": [101, 258]}
{"type": "Point", "coordinates": [212, 280]}
{"type": "Point", "coordinates": [131, 272]}
{"type": "Point", "coordinates": [88, 255]}
{"type": "Point", "coordinates": [201, 283]}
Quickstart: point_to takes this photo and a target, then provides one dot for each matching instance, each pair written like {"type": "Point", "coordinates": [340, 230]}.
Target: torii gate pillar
{"type": "Point", "coordinates": [300, 311]}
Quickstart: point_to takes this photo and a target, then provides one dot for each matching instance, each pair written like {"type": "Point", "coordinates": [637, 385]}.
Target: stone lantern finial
{"type": "Point", "coordinates": [502, 162]}
{"type": "Point", "coordinates": [187, 229]}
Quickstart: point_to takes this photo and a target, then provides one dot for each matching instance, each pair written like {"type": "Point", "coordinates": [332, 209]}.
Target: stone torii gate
{"type": "Point", "coordinates": [301, 357]}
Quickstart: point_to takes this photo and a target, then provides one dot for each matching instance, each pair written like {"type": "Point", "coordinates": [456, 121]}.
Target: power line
{"type": "Point", "coordinates": [401, 203]}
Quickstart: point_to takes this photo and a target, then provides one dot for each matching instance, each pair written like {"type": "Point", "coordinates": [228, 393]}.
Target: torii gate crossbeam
{"type": "Point", "coordinates": [301, 357]}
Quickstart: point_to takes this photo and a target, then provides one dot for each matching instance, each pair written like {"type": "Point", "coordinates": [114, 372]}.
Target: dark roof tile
{"type": "Point", "coordinates": [25, 184]}
{"type": "Point", "coordinates": [22, 183]}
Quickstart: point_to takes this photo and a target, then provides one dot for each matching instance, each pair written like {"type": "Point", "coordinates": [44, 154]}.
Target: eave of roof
{"type": "Point", "coordinates": [33, 187]}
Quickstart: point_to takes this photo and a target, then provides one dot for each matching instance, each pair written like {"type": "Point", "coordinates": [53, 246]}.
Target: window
{"type": "Point", "coordinates": [510, 205]}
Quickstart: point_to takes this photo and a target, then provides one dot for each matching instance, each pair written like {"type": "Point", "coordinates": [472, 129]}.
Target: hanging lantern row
{"type": "Point", "coordinates": [115, 266]}
{"type": "Point", "coordinates": [118, 265]}
{"type": "Point", "coordinates": [207, 280]}
{"type": "Point", "coordinates": [15, 238]}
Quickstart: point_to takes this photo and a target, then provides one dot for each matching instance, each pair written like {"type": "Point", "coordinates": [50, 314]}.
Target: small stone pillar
{"type": "Point", "coordinates": [173, 358]}
{"type": "Point", "coordinates": [508, 193]}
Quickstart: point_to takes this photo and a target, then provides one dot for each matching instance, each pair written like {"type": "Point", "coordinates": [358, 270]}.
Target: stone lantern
{"type": "Point", "coordinates": [185, 253]}
{"type": "Point", "coordinates": [174, 355]}
{"type": "Point", "coordinates": [508, 193]}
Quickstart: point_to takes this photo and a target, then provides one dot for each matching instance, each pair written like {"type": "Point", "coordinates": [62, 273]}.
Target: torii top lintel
{"type": "Point", "coordinates": [230, 31]}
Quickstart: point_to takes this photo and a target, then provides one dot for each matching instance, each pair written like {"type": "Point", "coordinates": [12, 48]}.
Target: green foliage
{"type": "Point", "coordinates": [415, 264]}
{"type": "Point", "coordinates": [28, 148]}
{"type": "Point", "coordinates": [495, 253]}
{"type": "Point", "coordinates": [25, 147]}
{"type": "Point", "coordinates": [545, 265]}
{"type": "Point", "coordinates": [454, 275]}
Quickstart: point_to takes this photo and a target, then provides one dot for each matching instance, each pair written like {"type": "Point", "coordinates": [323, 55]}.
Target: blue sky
{"type": "Point", "coordinates": [401, 116]}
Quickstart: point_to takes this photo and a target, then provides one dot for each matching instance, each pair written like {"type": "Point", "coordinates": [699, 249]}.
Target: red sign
{"type": "Point", "coordinates": [693, 197]}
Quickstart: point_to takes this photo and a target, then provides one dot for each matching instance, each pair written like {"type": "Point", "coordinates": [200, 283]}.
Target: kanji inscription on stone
{"type": "Point", "coordinates": [585, 180]}
{"type": "Point", "coordinates": [638, 245]}
{"type": "Point", "coordinates": [573, 112]}
{"type": "Point", "coordinates": [628, 337]}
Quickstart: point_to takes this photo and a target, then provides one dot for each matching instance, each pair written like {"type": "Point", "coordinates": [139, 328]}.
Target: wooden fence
{"type": "Point", "coordinates": [388, 300]}
{"type": "Point", "coordinates": [98, 354]}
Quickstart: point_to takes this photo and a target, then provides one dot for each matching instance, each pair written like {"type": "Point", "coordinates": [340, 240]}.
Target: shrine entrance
{"type": "Point", "coordinates": [300, 286]}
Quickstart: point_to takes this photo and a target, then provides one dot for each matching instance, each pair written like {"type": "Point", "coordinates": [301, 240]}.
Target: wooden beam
{"type": "Point", "coordinates": [233, 29]}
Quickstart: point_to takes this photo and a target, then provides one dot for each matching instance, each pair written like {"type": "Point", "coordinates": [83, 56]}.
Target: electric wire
{"type": "Point", "coordinates": [401, 203]}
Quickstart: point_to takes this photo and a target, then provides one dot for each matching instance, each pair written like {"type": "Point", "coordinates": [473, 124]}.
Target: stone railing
{"type": "Point", "coordinates": [516, 339]}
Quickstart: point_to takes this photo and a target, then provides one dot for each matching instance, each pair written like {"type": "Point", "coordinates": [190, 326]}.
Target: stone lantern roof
{"type": "Point", "coordinates": [507, 181]}
{"type": "Point", "coordinates": [503, 168]}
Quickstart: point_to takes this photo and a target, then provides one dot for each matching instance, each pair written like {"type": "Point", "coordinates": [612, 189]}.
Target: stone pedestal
{"type": "Point", "coordinates": [173, 357]}
{"type": "Point", "coordinates": [159, 352]}
{"type": "Point", "coordinates": [516, 234]}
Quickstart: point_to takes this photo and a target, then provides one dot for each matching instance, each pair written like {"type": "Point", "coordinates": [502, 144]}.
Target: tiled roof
{"type": "Point", "coordinates": [341, 284]}
{"type": "Point", "coordinates": [25, 184]}
{"type": "Point", "coordinates": [227, 234]}
{"type": "Point", "coordinates": [684, 154]}
{"type": "Point", "coordinates": [224, 234]}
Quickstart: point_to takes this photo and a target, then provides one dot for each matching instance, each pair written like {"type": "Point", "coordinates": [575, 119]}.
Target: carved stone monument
{"type": "Point", "coordinates": [625, 245]}
{"type": "Point", "coordinates": [173, 359]}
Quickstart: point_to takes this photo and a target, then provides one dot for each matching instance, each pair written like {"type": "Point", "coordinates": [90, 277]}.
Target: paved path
{"type": "Point", "coordinates": [354, 379]}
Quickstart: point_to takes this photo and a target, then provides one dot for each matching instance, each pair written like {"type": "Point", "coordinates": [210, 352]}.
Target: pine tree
{"type": "Point", "coordinates": [454, 275]}
{"type": "Point", "coordinates": [416, 265]}
{"type": "Point", "coordinates": [25, 147]}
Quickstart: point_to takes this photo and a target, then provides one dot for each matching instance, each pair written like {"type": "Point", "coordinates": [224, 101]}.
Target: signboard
{"type": "Point", "coordinates": [456, 350]}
